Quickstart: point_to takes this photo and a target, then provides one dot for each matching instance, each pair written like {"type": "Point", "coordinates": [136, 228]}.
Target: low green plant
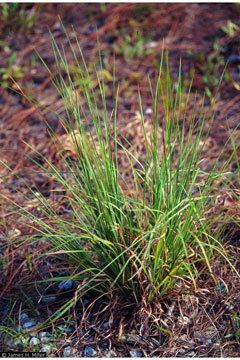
{"type": "Point", "coordinates": [11, 72]}
{"type": "Point", "coordinates": [142, 11]}
{"type": "Point", "coordinates": [230, 28]}
{"type": "Point", "coordinates": [134, 246]}
{"type": "Point", "coordinates": [236, 319]}
{"type": "Point", "coordinates": [17, 15]}
{"type": "Point", "coordinates": [235, 333]}
{"type": "Point", "coordinates": [213, 65]}
{"type": "Point", "coordinates": [132, 47]}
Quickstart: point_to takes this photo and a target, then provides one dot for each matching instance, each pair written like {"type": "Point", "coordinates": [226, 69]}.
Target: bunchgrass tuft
{"type": "Point", "coordinates": [137, 245]}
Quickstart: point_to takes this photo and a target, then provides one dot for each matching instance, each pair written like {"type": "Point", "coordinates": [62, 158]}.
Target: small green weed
{"type": "Point", "coordinates": [12, 71]}
{"type": "Point", "coordinates": [132, 47]}
{"type": "Point", "coordinates": [17, 15]}
{"type": "Point", "coordinates": [142, 11]}
{"type": "Point", "coordinates": [236, 319]}
{"type": "Point", "coordinates": [235, 335]}
{"type": "Point", "coordinates": [213, 66]}
{"type": "Point", "coordinates": [231, 28]}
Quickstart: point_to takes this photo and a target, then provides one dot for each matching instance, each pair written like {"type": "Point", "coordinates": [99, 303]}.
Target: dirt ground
{"type": "Point", "coordinates": [205, 37]}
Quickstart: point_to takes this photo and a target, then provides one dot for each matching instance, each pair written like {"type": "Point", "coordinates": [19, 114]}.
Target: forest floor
{"type": "Point", "coordinates": [206, 37]}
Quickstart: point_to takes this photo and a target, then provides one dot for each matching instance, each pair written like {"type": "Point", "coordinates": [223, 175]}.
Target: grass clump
{"type": "Point", "coordinates": [137, 245]}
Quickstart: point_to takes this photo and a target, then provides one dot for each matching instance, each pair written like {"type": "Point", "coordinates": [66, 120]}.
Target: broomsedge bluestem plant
{"type": "Point", "coordinates": [136, 246]}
